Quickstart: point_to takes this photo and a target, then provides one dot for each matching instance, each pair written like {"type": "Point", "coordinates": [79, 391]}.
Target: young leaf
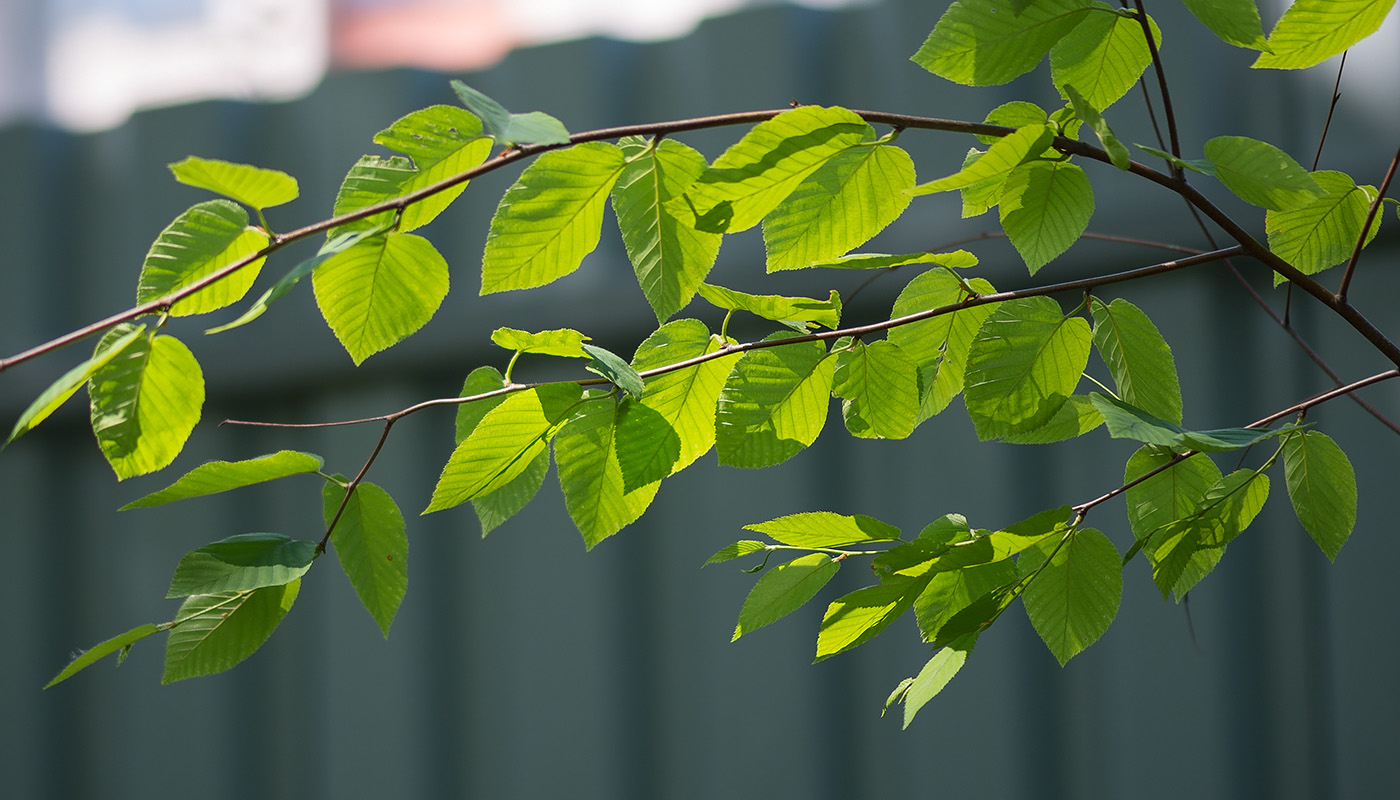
{"type": "Point", "coordinates": [144, 402]}
{"type": "Point", "coordinates": [880, 386]}
{"type": "Point", "coordinates": [1073, 598]}
{"type": "Point", "coordinates": [935, 675]}
{"type": "Point", "coordinates": [1322, 233]}
{"type": "Point", "coordinates": [955, 259]}
{"type": "Point", "coordinates": [1312, 31]}
{"type": "Point", "coordinates": [380, 291]}
{"type": "Point", "coordinates": [739, 549]}
{"type": "Point", "coordinates": [1085, 110]}
{"type": "Point", "coordinates": [858, 617]}
{"type": "Point", "coordinates": [551, 218]}
{"type": "Point", "coordinates": [611, 366]}
{"type": "Point", "coordinates": [242, 563]}
{"type": "Point", "coordinates": [839, 207]}
{"type": "Point", "coordinates": [1102, 57]}
{"type": "Point", "coordinates": [1261, 174]}
{"type": "Point", "coordinates": [372, 180]}
{"type": "Point", "coordinates": [442, 141]}
{"type": "Point", "coordinates": [647, 446]}
{"type": "Point", "coordinates": [65, 387]}
{"type": "Point", "coordinates": [1025, 360]}
{"type": "Point", "coordinates": [590, 473]}
{"type": "Point", "coordinates": [1044, 207]}
{"type": "Point", "coordinates": [201, 241]}
{"type": "Point", "coordinates": [533, 127]}
{"type": "Point", "coordinates": [1139, 358]}
{"type": "Point", "coordinates": [213, 632]}
{"type": "Point", "coordinates": [990, 42]}
{"type": "Point", "coordinates": [783, 590]}
{"type": "Point", "coordinates": [684, 398]}
{"type": "Point", "coordinates": [563, 342]}
{"type": "Point", "coordinates": [97, 652]}
{"type": "Point", "coordinates": [1015, 114]}
{"type": "Point", "coordinates": [773, 404]}
{"type": "Point", "coordinates": [759, 171]}
{"type": "Point", "coordinates": [1008, 153]}
{"type": "Point", "coordinates": [372, 547]}
{"type": "Point", "coordinates": [1322, 488]}
{"type": "Point", "coordinates": [252, 186]}
{"type": "Point", "coordinates": [1234, 21]}
{"type": "Point", "coordinates": [504, 444]}
{"type": "Point", "coordinates": [670, 258]}
{"type": "Point", "coordinates": [799, 312]}
{"type": "Point", "coordinates": [939, 345]}
{"type": "Point", "coordinates": [480, 381]}
{"type": "Point", "coordinates": [221, 476]}
{"type": "Point", "coordinates": [825, 529]}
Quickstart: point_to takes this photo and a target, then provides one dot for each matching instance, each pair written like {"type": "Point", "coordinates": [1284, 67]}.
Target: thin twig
{"type": "Point", "coordinates": [1331, 107]}
{"type": "Point", "coordinates": [1370, 219]}
{"type": "Point", "coordinates": [1161, 86]}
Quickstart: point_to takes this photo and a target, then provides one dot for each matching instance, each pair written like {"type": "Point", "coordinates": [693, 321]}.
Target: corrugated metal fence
{"type": "Point", "coordinates": [519, 666]}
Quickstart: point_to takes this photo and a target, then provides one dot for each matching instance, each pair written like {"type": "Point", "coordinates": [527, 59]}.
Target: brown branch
{"type": "Point", "coordinates": [1370, 218]}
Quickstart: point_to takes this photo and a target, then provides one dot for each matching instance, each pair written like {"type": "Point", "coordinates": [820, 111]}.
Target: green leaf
{"type": "Point", "coordinates": [1005, 155]}
{"type": "Point", "coordinates": [380, 291]}
{"type": "Point", "coordinates": [1201, 165]}
{"type": "Point", "coordinates": [611, 366]}
{"type": "Point", "coordinates": [1117, 151]}
{"type": "Point", "coordinates": [443, 141]}
{"type": "Point", "coordinates": [856, 618]}
{"type": "Point", "coordinates": [1128, 422]}
{"type": "Point", "coordinates": [242, 563]}
{"type": "Point", "coordinates": [1323, 233]}
{"type": "Point", "coordinates": [371, 544]}
{"type": "Point", "coordinates": [783, 590]}
{"type": "Point", "coordinates": [562, 342]}
{"type": "Point", "coordinates": [1102, 57]}
{"type": "Point", "coordinates": [1234, 21]}
{"type": "Point", "coordinates": [957, 259]}
{"type": "Point", "coordinates": [880, 386]}
{"type": "Point", "coordinates": [252, 186]}
{"type": "Point", "coordinates": [758, 172]}
{"type": "Point", "coordinates": [1075, 596]}
{"type": "Point", "coordinates": [990, 42]}
{"type": "Point", "coordinates": [1261, 174]}
{"type": "Point", "coordinates": [939, 345]}
{"type": "Point", "coordinates": [670, 258]}
{"type": "Point", "coordinates": [144, 402]}
{"type": "Point", "coordinates": [534, 127]}
{"type": "Point", "coordinates": [684, 398]}
{"type": "Point", "coordinates": [1045, 206]}
{"type": "Point", "coordinates": [1025, 360]}
{"type": "Point", "coordinates": [647, 446]}
{"type": "Point", "coordinates": [480, 381]}
{"type": "Point", "coordinates": [773, 404]}
{"type": "Point", "coordinates": [935, 675]}
{"type": "Point", "coordinates": [97, 652]}
{"type": "Point", "coordinates": [495, 507]}
{"type": "Point", "coordinates": [590, 473]}
{"type": "Point", "coordinates": [1322, 488]}
{"type": "Point", "coordinates": [336, 244]}
{"type": "Point", "coordinates": [1187, 549]}
{"type": "Point", "coordinates": [371, 181]}
{"type": "Point", "coordinates": [200, 242]}
{"type": "Point", "coordinates": [220, 476]}
{"type": "Point", "coordinates": [799, 312]}
{"type": "Point", "coordinates": [1075, 418]}
{"type": "Point", "coordinates": [739, 549]}
{"type": "Point", "coordinates": [1015, 114]}
{"type": "Point", "coordinates": [550, 218]}
{"type": "Point", "coordinates": [1172, 494]}
{"type": "Point", "coordinates": [504, 444]}
{"type": "Point", "coordinates": [1312, 31]}
{"type": "Point", "coordinates": [65, 387]}
{"type": "Point", "coordinates": [1139, 358]}
{"type": "Point", "coordinates": [213, 632]}
{"type": "Point", "coordinates": [825, 529]}
{"type": "Point", "coordinates": [839, 207]}
{"type": "Point", "coordinates": [950, 591]}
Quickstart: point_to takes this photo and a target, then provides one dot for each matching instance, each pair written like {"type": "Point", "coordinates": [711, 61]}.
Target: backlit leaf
{"type": "Point", "coordinates": [442, 141]}
{"type": "Point", "coordinates": [380, 291]}
{"type": "Point", "coordinates": [670, 258]}
{"type": "Point", "coordinates": [800, 312]}
{"type": "Point", "coordinates": [1261, 174]}
{"type": "Point", "coordinates": [1025, 360]}
{"type": "Point", "coordinates": [684, 398]}
{"type": "Point", "coordinates": [1322, 233]}
{"type": "Point", "coordinates": [1234, 21]}
{"type": "Point", "coordinates": [563, 342]}
{"type": "Point", "coordinates": [989, 42]}
{"type": "Point", "coordinates": [145, 402]}
{"type": "Point", "coordinates": [956, 259]}
{"type": "Point", "coordinates": [783, 590]}
{"type": "Point", "coordinates": [935, 675]}
{"type": "Point", "coordinates": [371, 181]}
{"type": "Point", "coordinates": [1322, 488]}
{"type": "Point", "coordinates": [1044, 207]}
{"type": "Point", "coordinates": [939, 345]}
{"type": "Point", "coordinates": [1139, 358]}
{"type": "Point", "coordinates": [213, 632]}
{"type": "Point", "coordinates": [647, 446]}
{"type": "Point", "coordinates": [1102, 57]}
{"type": "Point", "coordinates": [97, 652]}
{"type": "Point", "coordinates": [500, 504]}
{"type": "Point", "coordinates": [65, 387]}
{"type": "Point", "coordinates": [550, 218]}
{"type": "Point", "coordinates": [858, 617]}
{"type": "Point", "coordinates": [200, 242]}
{"type": "Point", "coordinates": [1005, 155]}
{"type": "Point", "coordinates": [739, 549]}
{"type": "Point", "coordinates": [611, 366]}
{"type": "Point", "coordinates": [773, 404]}
{"type": "Point", "coordinates": [825, 529]}
{"type": "Point", "coordinates": [221, 476]}
{"type": "Point", "coordinates": [950, 591]}
{"type": "Point", "coordinates": [1075, 596]}
{"type": "Point", "coordinates": [880, 386]}
{"type": "Point", "coordinates": [1312, 31]}
{"type": "Point", "coordinates": [252, 186]}
{"type": "Point", "coordinates": [371, 544]}
{"type": "Point", "coordinates": [531, 127]}
{"type": "Point", "coordinates": [480, 381]}
{"type": "Point", "coordinates": [242, 563]}
{"type": "Point", "coordinates": [595, 492]}
{"type": "Point", "coordinates": [1075, 418]}
{"type": "Point", "coordinates": [1117, 151]}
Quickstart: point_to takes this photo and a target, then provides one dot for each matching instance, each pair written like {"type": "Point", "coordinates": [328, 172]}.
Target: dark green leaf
{"type": "Point", "coordinates": [1128, 422]}
{"type": "Point", "coordinates": [1261, 174]}
{"type": "Point", "coordinates": [647, 446]}
{"type": "Point", "coordinates": [611, 366]}
{"type": "Point", "coordinates": [533, 127]}
{"type": "Point", "coordinates": [1074, 597]}
{"type": "Point", "coordinates": [480, 381]}
{"type": "Point", "coordinates": [1322, 488]}
{"type": "Point", "coordinates": [241, 563]}
{"type": "Point", "coordinates": [372, 546]}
